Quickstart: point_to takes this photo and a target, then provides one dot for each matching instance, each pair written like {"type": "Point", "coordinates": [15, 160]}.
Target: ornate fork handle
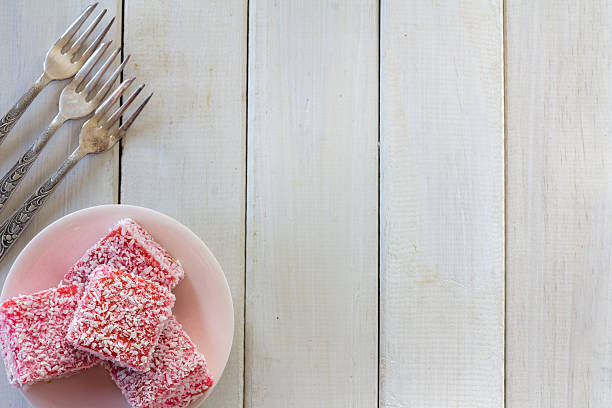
{"type": "Point", "coordinates": [13, 177]}
{"type": "Point", "coordinates": [9, 120]}
{"type": "Point", "coordinates": [13, 227]}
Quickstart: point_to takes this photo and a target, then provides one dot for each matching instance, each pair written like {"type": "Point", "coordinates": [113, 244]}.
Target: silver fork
{"type": "Point", "coordinates": [78, 99]}
{"type": "Point", "coordinates": [98, 134]}
{"type": "Point", "coordinates": [63, 60]}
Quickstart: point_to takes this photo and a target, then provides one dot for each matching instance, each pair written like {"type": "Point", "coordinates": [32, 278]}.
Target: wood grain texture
{"type": "Point", "coordinates": [559, 218]}
{"type": "Point", "coordinates": [29, 29]}
{"type": "Point", "coordinates": [441, 211]}
{"type": "Point", "coordinates": [311, 317]}
{"type": "Point", "coordinates": [186, 156]}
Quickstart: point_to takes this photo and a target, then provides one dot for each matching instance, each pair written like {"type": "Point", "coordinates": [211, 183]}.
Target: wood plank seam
{"type": "Point", "coordinates": [246, 198]}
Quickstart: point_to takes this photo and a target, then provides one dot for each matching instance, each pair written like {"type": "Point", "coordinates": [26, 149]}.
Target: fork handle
{"type": "Point", "coordinates": [9, 120]}
{"type": "Point", "coordinates": [12, 228]}
{"type": "Point", "coordinates": [13, 177]}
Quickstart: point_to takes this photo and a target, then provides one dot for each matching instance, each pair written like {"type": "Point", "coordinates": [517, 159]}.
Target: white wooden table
{"type": "Point", "coordinates": [412, 200]}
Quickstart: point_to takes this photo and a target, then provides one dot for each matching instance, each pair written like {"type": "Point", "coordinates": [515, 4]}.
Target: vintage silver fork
{"type": "Point", "coordinates": [98, 134]}
{"type": "Point", "coordinates": [76, 101]}
{"type": "Point", "coordinates": [63, 60]}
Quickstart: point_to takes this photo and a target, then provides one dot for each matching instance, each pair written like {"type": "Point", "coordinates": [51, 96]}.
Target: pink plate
{"type": "Point", "coordinates": [203, 300]}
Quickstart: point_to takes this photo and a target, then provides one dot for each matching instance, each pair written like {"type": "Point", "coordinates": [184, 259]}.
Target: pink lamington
{"type": "Point", "coordinates": [178, 374]}
{"type": "Point", "coordinates": [130, 248]}
{"type": "Point", "coordinates": [33, 336]}
{"type": "Point", "coordinates": [120, 317]}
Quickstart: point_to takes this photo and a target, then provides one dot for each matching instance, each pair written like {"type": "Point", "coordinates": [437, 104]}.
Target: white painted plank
{"type": "Point", "coordinates": [311, 319]}
{"type": "Point", "coordinates": [442, 280]}
{"type": "Point", "coordinates": [559, 217]}
{"type": "Point", "coordinates": [187, 155]}
{"type": "Point", "coordinates": [29, 29]}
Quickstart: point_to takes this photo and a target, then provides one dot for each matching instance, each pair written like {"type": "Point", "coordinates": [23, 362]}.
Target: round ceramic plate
{"type": "Point", "coordinates": [203, 301]}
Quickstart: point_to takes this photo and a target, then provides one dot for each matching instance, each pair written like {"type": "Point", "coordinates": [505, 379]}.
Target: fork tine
{"type": "Point", "coordinates": [114, 97]}
{"type": "Point", "coordinates": [69, 33]}
{"type": "Point", "coordinates": [95, 43]}
{"type": "Point", "coordinates": [126, 125]}
{"type": "Point", "coordinates": [117, 114]}
{"type": "Point", "coordinates": [111, 80]}
{"type": "Point", "coordinates": [88, 66]}
{"type": "Point", "coordinates": [93, 82]}
{"type": "Point", "coordinates": [83, 37]}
